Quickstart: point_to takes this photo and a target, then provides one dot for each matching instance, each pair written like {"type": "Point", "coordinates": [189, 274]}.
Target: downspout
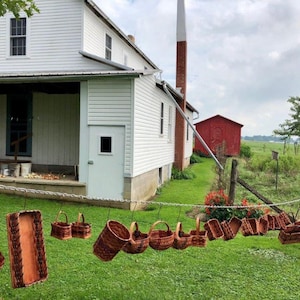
{"type": "Point", "coordinates": [198, 136]}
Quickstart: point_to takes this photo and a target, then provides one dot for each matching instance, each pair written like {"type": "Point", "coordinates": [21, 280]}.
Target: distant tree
{"type": "Point", "coordinates": [16, 6]}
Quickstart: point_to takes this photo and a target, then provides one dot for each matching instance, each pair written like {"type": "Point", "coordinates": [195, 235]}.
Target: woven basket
{"type": "Point", "coordinates": [214, 229]}
{"type": "Point", "coordinates": [228, 233]}
{"type": "Point", "coordinates": [235, 224]}
{"type": "Point", "coordinates": [81, 229]}
{"type": "Point", "coordinates": [61, 230]}
{"type": "Point", "coordinates": [271, 222]}
{"type": "Point", "coordinates": [285, 218]}
{"type": "Point", "coordinates": [263, 225]}
{"type": "Point", "coordinates": [182, 240]}
{"type": "Point", "coordinates": [160, 239]}
{"type": "Point", "coordinates": [111, 240]}
{"type": "Point", "coordinates": [138, 241]}
{"type": "Point", "coordinates": [246, 227]}
{"type": "Point", "coordinates": [289, 237]}
{"type": "Point", "coordinates": [2, 260]}
{"type": "Point", "coordinates": [254, 225]}
{"type": "Point", "coordinates": [199, 237]}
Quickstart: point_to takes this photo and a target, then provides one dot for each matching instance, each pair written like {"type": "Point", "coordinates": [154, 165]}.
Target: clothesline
{"type": "Point", "coordinates": [82, 197]}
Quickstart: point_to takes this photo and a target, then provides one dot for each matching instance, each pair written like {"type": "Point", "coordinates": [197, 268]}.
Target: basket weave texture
{"type": "Point", "coordinates": [2, 260]}
{"type": "Point", "coordinates": [182, 240]}
{"type": "Point", "coordinates": [263, 225]}
{"type": "Point", "coordinates": [228, 233]}
{"type": "Point", "coordinates": [111, 240]}
{"type": "Point", "coordinates": [214, 229]}
{"type": "Point", "coordinates": [246, 227]}
{"type": "Point", "coordinates": [81, 229]}
{"type": "Point", "coordinates": [61, 230]}
{"type": "Point", "coordinates": [290, 237]}
{"type": "Point", "coordinates": [138, 241]}
{"type": "Point", "coordinates": [199, 237]}
{"type": "Point", "coordinates": [235, 224]}
{"type": "Point", "coordinates": [160, 239]}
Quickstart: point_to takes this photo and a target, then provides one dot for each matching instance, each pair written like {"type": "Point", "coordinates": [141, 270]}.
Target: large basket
{"type": "Point", "coordinates": [2, 260]}
{"type": "Point", "coordinates": [61, 230]}
{"type": "Point", "coordinates": [81, 229]}
{"type": "Point", "coordinates": [214, 229]}
{"type": "Point", "coordinates": [26, 248]}
{"type": "Point", "coordinates": [228, 233]}
{"type": "Point", "coordinates": [199, 237]}
{"type": "Point", "coordinates": [160, 239]}
{"type": "Point", "coordinates": [182, 240]}
{"type": "Point", "coordinates": [111, 240]}
{"type": "Point", "coordinates": [289, 237]}
{"type": "Point", "coordinates": [138, 241]}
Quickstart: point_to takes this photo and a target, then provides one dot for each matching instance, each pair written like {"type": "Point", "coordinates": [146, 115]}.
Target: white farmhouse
{"type": "Point", "coordinates": [75, 91]}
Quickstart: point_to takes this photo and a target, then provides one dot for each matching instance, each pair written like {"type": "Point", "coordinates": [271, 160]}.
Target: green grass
{"type": "Point", "coordinates": [256, 267]}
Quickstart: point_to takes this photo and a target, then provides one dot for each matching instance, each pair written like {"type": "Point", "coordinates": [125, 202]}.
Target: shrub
{"type": "Point", "coordinates": [245, 151]}
{"type": "Point", "coordinates": [195, 159]}
{"type": "Point", "coordinates": [184, 174]}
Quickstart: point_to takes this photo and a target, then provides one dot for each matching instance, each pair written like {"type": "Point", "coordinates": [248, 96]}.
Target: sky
{"type": "Point", "coordinates": [243, 55]}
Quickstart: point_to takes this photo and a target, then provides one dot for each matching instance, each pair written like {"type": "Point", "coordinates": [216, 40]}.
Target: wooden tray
{"type": "Point", "coordinates": [26, 248]}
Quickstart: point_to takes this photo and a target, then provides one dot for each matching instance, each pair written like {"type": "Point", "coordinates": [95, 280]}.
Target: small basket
{"type": "Point", "coordinates": [246, 227]}
{"type": "Point", "coordinates": [160, 239]}
{"type": "Point", "coordinates": [254, 225]}
{"type": "Point", "coordinates": [81, 229]}
{"type": "Point", "coordinates": [199, 237]}
{"type": "Point", "coordinates": [2, 260]}
{"type": "Point", "coordinates": [289, 237]}
{"type": "Point", "coordinates": [285, 218]}
{"type": "Point", "coordinates": [235, 224]}
{"type": "Point", "coordinates": [263, 225]}
{"type": "Point", "coordinates": [271, 222]}
{"type": "Point", "coordinates": [181, 240]}
{"type": "Point", "coordinates": [138, 241]}
{"type": "Point", "coordinates": [228, 233]}
{"type": "Point", "coordinates": [111, 240]}
{"type": "Point", "coordinates": [61, 230]}
{"type": "Point", "coordinates": [214, 229]}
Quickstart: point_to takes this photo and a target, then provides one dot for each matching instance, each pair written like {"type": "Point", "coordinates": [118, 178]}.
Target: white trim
{"type": "Point", "coordinates": [112, 144]}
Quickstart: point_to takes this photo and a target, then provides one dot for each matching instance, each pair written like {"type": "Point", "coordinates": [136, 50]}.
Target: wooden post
{"type": "Point", "coordinates": [233, 181]}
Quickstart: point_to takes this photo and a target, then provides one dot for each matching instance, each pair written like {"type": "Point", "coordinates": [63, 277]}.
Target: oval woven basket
{"type": "Point", "coordinates": [61, 230]}
{"type": "Point", "coordinates": [160, 239]}
{"type": "Point", "coordinates": [181, 240]}
{"type": "Point", "coordinates": [199, 237]}
{"type": "Point", "coordinates": [111, 240]}
{"type": "Point", "coordinates": [138, 241]}
{"type": "Point", "coordinates": [214, 229]}
{"type": "Point", "coordinates": [81, 229]}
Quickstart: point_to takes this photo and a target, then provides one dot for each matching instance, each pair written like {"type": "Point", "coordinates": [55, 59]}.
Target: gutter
{"type": "Point", "coordinates": [198, 136]}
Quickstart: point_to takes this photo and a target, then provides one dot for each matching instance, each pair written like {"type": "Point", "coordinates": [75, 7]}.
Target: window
{"type": "Point", "coordinates": [187, 130]}
{"type": "Point", "coordinates": [18, 37]}
{"type": "Point", "coordinates": [170, 124]}
{"type": "Point", "coordinates": [108, 46]}
{"type": "Point", "coordinates": [162, 118]}
{"type": "Point", "coordinates": [105, 145]}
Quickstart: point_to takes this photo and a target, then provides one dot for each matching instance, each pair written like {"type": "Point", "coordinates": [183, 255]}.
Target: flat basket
{"type": "Point", "coordinates": [228, 233]}
{"type": "Point", "coordinates": [111, 240]}
{"type": "Point", "coordinates": [199, 237]}
{"type": "Point", "coordinates": [160, 239]}
{"type": "Point", "coordinates": [289, 237]}
{"type": "Point", "coordinates": [214, 229]}
{"type": "Point", "coordinates": [254, 225]}
{"type": "Point", "coordinates": [138, 241]}
{"type": "Point", "coordinates": [61, 230]}
{"type": "Point", "coordinates": [2, 260]}
{"type": "Point", "coordinates": [263, 226]}
{"type": "Point", "coordinates": [246, 228]}
{"type": "Point", "coordinates": [235, 224]}
{"type": "Point", "coordinates": [80, 229]}
{"type": "Point", "coordinates": [182, 240]}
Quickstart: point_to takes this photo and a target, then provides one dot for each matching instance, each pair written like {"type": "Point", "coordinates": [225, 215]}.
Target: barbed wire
{"type": "Point", "coordinates": [61, 196]}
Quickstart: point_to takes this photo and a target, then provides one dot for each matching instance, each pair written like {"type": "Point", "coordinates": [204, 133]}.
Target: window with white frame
{"type": "Point", "coordinates": [105, 145]}
{"type": "Point", "coordinates": [187, 130]}
{"type": "Point", "coordinates": [161, 118]}
{"type": "Point", "coordinates": [17, 37]}
{"type": "Point", "coordinates": [108, 46]}
{"type": "Point", "coordinates": [170, 124]}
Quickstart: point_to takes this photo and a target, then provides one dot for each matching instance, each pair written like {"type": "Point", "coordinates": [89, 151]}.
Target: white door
{"type": "Point", "coordinates": [106, 162]}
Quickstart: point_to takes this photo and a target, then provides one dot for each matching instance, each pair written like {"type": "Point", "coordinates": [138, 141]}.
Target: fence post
{"type": "Point", "coordinates": [233, 181]}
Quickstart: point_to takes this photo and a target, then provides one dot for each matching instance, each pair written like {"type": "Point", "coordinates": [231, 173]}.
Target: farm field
{"type": "Point", "coordinates": [253, 267]}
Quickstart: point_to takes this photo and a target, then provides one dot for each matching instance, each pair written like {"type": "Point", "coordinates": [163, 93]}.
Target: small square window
{"type": "Point", "coordinates": [105, 144]}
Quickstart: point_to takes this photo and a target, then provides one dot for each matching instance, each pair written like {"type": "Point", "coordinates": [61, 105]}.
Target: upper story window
{"type": "Point", "coordinates": [162, 118]}
{"type": "Point", "coordinates": [108, 46]}
{"type": "Point", "coordinates": [18, 37]}
{"type": "Point", "coordinates": [170, 124]}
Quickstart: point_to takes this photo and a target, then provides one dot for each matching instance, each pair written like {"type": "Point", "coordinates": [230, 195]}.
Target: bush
{"type": "Point", "coordinates": [245, 151]}
{"type": "Point", "coordinates": [184, 174]}
{"type": "Point", "coordinates": [195, 159]}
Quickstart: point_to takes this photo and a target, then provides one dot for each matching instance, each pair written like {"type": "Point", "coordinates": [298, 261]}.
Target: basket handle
{"type": "Point", "coordinates": [178, 229]}
{"type": "Point", "coordinates": [156, 223]}
{"type": "Point", "coordinates": [61, 212]}
{"type": "Point", "coordinates": [197, 225]}
{"type": "Point", "coordinates": [80, 216]}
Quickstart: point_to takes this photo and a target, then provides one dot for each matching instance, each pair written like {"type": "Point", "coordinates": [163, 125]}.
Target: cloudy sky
{"type": "Point", "coordinates": [243, 55]}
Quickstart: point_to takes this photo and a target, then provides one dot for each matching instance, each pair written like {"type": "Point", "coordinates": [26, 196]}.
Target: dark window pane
{"type": "Point", "coordinates": [105, 146]}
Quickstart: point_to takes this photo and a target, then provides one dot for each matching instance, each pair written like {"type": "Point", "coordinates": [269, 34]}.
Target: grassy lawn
{"type": "Point", "coordinates": [255, 267]}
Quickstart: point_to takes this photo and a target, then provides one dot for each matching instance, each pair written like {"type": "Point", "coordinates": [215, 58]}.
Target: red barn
{"type": "Point", "coordinates": [218, 131]}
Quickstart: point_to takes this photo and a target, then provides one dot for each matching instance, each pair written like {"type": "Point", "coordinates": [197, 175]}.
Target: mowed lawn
{"type": "Point", "coordinates": [254, 267]}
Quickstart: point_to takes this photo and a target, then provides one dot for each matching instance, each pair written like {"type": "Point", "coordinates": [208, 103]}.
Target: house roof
{"type": "Point", "coordinates": [219, 116]}
{"type": "Point", "coordinates": [100, 14]}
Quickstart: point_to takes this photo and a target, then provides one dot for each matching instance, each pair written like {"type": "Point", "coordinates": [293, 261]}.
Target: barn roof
{"type": "Point", "coordinates": [219, 116]}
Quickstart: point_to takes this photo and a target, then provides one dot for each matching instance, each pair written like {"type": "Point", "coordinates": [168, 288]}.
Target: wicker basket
{"type": "Point", "coordinates": [246, 227]}
{"type": "Point", "coordinates": [254, 225]}
{"type": "Point", "coordinates": [26, 248]}
{"type": "Point", "coordinates": [235, 224]}
{"type": "Point", "coordinates": [262, 225]}
{"type": "Point", "coordinates": [138, 241]}
{"type": "Point", "coordinates": [285, 218]}
{"type": "Point", "coordinates": [160, 239]}
{"type": "Point", "coordinates": [181, 240]}
{"type": "Point", "coordinates": [214, 229]}
{"type": "Point", "coordinates": [81, 229]}
{"type": "Point", "coordinates": [61, 230]}
{"type": "Point", "coordinates": [289, 237]}
{"type": "Point", "coordinates": [2, 260]}
{"type": "Point", "coordinates": [228, 233]}
{"type": "Point", "coordinates": [111, 240]}
{"type": "Point", "coordinates": [199, 237]}
{"type": "Point", "coordinates": [271, 222]}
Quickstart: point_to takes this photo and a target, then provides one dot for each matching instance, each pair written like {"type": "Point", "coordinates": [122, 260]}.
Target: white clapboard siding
{"type": "Point", "coordinates": [55, 129]}
{"type": "Point", "coordinates": [110, 104]}
{"type": "Point", "coordinates": [152, 150]}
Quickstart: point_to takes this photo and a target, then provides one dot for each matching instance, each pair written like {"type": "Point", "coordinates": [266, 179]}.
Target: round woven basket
{"type": "Point", "coordinates": [111, 240]}
{"type": "Point", "coordinates": [81, 229]}
{"type": "Point", "coordinates": [160, 239]}
{"type": "Point", "coordinates": [61, 230]}
{"type": "Point", "coordinates": [181, 240]}
{"type": "Point", "coordinates": [138, 241]}
{"type": "Point", "coordinates": [199, 237]}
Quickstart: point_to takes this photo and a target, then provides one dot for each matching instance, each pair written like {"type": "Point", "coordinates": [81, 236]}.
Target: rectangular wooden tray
{"type": "Point", "coordinates": [26, 248]}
